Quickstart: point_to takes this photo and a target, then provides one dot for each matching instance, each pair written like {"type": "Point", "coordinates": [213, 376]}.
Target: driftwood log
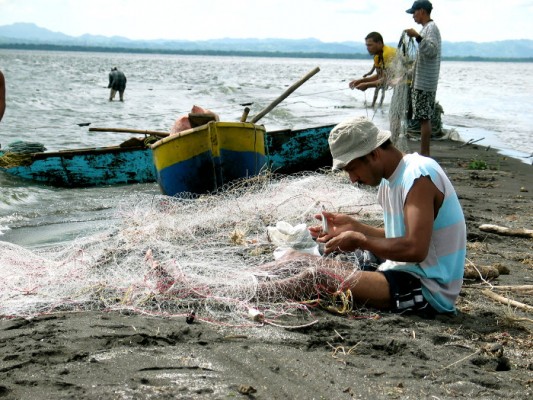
{"type": "Point", "coordinates": [517, 288]}
{"type": "Point", "coordinates": [501, 230]}
{"type": "Point", "coordinates": [506, 301]}
{"type": "Point", "coordinates": [481, 272]}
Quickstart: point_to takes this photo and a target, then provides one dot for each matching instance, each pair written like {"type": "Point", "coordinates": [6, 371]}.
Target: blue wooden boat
{"type": "Point", "coordinates": [289, 151]}
{"type": "Point", "coordinates": [205, 158]}
{"type": "Point", "coordinates": [284, 151]}
{"type": "Point", "coordinates": [130, 162]}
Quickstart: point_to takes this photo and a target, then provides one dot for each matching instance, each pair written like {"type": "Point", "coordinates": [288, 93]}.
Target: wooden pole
{"type": "Point", "coordinates": [126, 130]}
{"type": "Point", "coordinates": [502, 230]}
{"type": "Point", "coordinates": [506, 301]}
{"type": "Point", "coordinates": [245, 114]}
{"type": "Point", "coordinates": [284, 95]}
{"type": "Point", "coordinates": [511, 288]}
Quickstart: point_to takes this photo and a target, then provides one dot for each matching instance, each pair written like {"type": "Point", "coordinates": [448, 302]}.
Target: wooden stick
{"type": "Point", "coordinates": [245, 114]}
{"type": "Point", "coordinates": [461, 360]}
{"type": "Point", "coordinates": [126, 130]}
{"type": "Point", "coordinates": [517, 288]}
{"type": "Point", "coordinates": [502, 230]}
{"type": "Point", "coordinates": [506, 301]}
{"type": "Point", "coordinates": [284, 95]}
{"type": "Point", "coordinates": [471, 141]}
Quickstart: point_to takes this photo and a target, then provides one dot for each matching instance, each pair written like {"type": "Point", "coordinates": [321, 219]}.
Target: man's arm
{"type": "Point", "coordinates": [365, 83]}
{"type": "Point", "coordinates": [420, 209]}
{"type": "Point", "coordinates": [427, 44]}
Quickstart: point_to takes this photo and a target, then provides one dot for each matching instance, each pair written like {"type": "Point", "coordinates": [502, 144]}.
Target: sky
{"type": "Point", "coordinates": [326, 20]}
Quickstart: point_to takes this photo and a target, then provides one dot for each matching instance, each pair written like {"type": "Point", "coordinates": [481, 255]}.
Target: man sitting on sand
{"type": "Point", "coordinates": [423, 240]}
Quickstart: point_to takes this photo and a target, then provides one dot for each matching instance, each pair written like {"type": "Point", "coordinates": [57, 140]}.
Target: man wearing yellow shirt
{"type": "Point", "coordinates": [383, 56]}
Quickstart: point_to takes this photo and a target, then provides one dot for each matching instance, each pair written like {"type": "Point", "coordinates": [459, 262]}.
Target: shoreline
{"type": "Point", "coordinates": [233, 53]}
{"type": "Point", "coordinates": [488, 144]}
{"type": "Point", "coordinates": [484, 351]}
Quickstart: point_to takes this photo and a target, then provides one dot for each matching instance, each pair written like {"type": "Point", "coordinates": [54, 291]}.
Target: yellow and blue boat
{"type": "Point", "coordinates": [205, 158]}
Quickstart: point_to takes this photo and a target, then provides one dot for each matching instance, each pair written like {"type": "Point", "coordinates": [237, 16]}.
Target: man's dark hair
{"type": "Point", "coordinates": [375, 36]}
{"type": "Point", "coordinates": [386, 144]}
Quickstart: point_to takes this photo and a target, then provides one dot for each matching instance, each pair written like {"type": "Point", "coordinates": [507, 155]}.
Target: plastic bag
{"type": "Point", "coordinates": [288, 237]}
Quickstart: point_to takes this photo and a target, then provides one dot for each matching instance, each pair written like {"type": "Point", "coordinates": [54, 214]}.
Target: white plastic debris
{"type": "Point", "coordinates": [288, 237]}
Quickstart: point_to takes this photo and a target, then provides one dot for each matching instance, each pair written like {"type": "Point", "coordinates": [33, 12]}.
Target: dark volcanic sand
{"type": "Point", "coordinates": [485, 351]}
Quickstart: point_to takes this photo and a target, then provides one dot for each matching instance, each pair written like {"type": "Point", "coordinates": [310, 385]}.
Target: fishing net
{"type": "Point", "coordinates": [170, 256]}
{"type": "Point", "coordinates": [401, 72]}
{"type": "Point", "coordinates": [401, 124]}
{"type": "Point", "coordinates": [19, 153]}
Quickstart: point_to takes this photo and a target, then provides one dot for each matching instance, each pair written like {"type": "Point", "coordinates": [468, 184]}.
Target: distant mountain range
{"type": "Point", "coordinates": [31, 36]}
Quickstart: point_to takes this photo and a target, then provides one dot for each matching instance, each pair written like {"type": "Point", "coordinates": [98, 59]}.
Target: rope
{"type": "Point", "coordinates": [339, 303]}
{"type": "Point", "coordinates": [11, 160]}
{"type": "Point", "coordinates": [19, 153]}
{"type": "Point", "coordinates": [150, 140]}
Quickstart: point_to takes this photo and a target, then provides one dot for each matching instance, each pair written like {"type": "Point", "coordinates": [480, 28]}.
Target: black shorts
{"type": "Point", "coordinates": [406, 293]}
{"type": "Point", "coordinates": [423, 104]}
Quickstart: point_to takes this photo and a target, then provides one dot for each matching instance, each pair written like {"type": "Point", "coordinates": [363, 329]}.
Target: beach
{"type": "Point", "coordinates": [485, 351]}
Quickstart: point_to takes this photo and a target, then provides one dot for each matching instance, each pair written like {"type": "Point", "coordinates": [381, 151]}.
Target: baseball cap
{"type": "Point", "coordinates": [418, 4]}
{"type": "Point", "coordinates": [354, 138]}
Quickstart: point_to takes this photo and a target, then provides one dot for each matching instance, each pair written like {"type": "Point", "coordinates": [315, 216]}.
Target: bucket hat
{"type": "Point", "coordinates": [354, 138]}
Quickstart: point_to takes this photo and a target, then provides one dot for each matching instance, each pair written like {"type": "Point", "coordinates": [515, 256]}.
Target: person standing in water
{"type": "Point", "coordinates": [117, 83]}
{"type": "Point", "coordinates": [427, 67]}
{"type": "Point", "coordinates": [2, 95]}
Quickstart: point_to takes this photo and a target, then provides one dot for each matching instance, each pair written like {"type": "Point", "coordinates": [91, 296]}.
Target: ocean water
{"type": "Point", "coordinates": [49, 94]}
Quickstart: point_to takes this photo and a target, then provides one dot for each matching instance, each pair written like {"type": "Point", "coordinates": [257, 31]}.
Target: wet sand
{"type": "Point", "coordinates": [485, 351]}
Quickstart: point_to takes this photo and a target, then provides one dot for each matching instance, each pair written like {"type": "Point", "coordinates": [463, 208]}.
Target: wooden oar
{"type": "Point", "coordinates": [284, 95]}
{"type": "Point", "coordinates": [125, 130]}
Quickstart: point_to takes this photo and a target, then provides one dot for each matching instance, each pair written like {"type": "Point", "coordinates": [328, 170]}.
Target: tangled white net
{"type": "Point", "coordinates": [169, 256]}
{"type": "Point", "coordinates": [401, 72]}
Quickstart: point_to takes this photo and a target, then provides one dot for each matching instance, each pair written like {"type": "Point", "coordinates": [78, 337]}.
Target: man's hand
{"type": "Point", "coordinates": [411, 32]}
{"type": "Point", "coordinates": [363, 86]}
{"type": "Point", "coordinates": [345, 241]}
{"type": "Point", "coordinates": [337, 223]}
{"type": "Point", "coordinates": [360, 84]}
{"type": "Point", "coordinates": [353, 84]}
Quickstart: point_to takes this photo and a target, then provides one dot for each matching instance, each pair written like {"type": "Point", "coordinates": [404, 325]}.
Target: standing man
{"type": "Point", "coordinates": [117, 83]}
{"type": "Point", "coordinates": [383, 56]}
{"type": "Point", "coordinates": [2, 95]}
{"type": "Point", "coordinates": [427, 67]}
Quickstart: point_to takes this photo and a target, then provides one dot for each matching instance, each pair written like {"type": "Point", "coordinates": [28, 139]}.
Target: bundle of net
{"type": "Point", "coordinates": [209, 256]}
{"type": "Point", "coordinates": [400, 76]}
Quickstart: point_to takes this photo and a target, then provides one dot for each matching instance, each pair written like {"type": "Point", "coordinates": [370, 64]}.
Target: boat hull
{"type": "Point", "coordinates": [203, 159]}
{"type": "Point", "coordinates": [290, 151]}
{"type": "Point", "coordinates": [89, 167]}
